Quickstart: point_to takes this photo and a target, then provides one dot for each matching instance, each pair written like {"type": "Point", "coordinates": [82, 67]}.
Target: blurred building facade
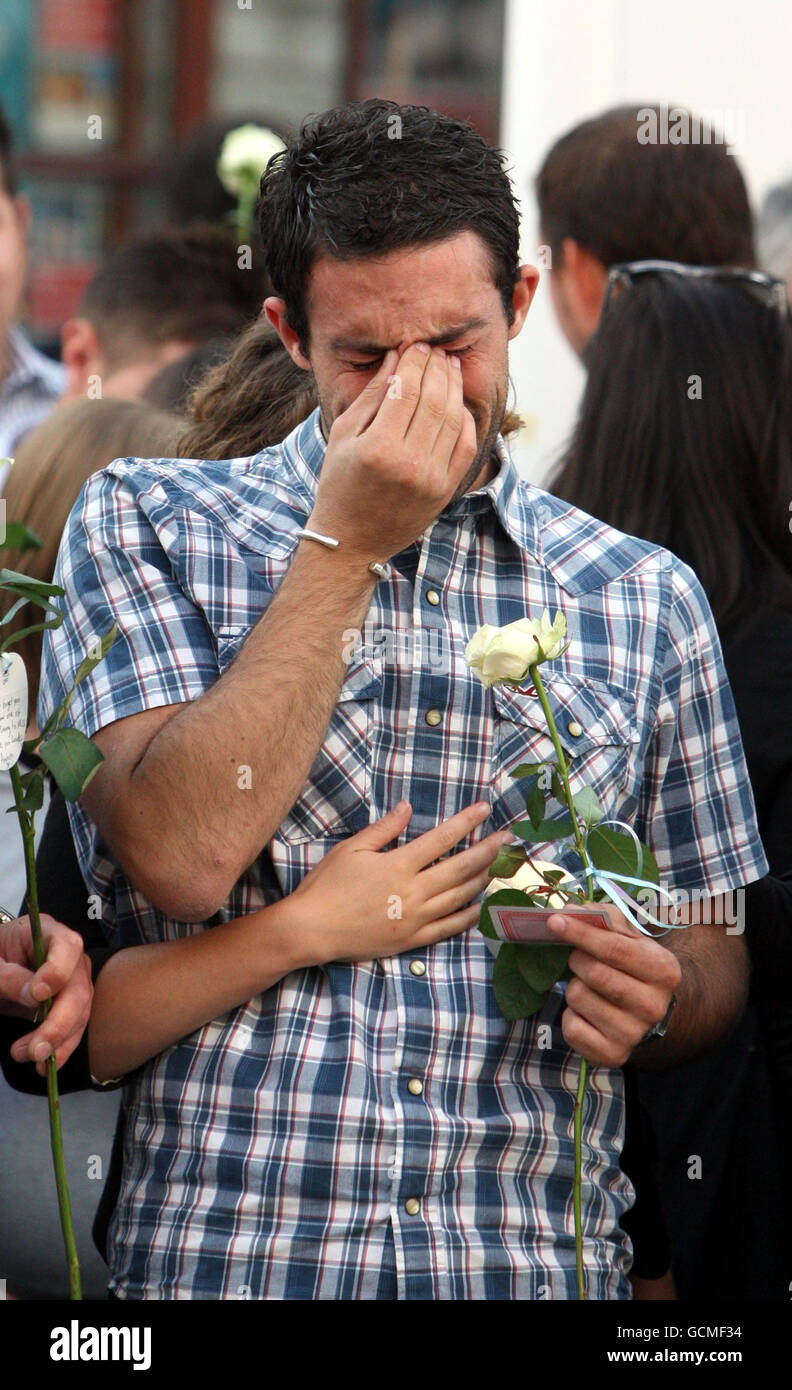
{"type": "Point", "coordinates": [101, 92]}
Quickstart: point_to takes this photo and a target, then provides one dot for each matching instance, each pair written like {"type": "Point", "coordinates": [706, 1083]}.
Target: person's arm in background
{"type": "Point", "coordinates": [64, 977]}
{"type": "Point", "coordinates": [63, 899]}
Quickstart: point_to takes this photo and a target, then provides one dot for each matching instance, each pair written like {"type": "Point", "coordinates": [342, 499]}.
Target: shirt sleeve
{"type": "Point", "coordinates": [697, 810]}
{"type": "Point", "coordinates": [114, 568]}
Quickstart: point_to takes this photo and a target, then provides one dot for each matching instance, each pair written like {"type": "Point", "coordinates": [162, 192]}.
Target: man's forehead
{"type": "Point", "coordinates": [436, 290]}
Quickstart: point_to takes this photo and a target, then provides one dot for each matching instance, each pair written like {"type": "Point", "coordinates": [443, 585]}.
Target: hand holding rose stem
{"type": "Point", "coordinates": [72, 759]}
{"type": "Point", "coordinates": [26, 825]}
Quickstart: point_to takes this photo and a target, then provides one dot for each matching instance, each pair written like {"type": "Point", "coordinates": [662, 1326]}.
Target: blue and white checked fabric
{"type": "Point", "coordinates": [271, 1153]}
{"type": "Point", "coordinates": [28, 391]}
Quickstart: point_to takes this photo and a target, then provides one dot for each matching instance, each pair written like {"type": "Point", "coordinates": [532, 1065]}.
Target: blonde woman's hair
{"type": "Point", "coordinates": [50, 467]}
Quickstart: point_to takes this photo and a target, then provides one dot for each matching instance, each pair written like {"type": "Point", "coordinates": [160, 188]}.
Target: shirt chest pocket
{"type": "Point", "coordinates": [597, 730]}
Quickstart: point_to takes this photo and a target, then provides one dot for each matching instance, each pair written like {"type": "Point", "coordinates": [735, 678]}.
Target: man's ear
{"type": "Point", "coordinates": [82, 356]}
{"type": "Point", "coordinates": [275, 309]}
{"type": "Point", "coordinates": [586, 278]}
{"type": "Point", "coordinates": [523, 293]}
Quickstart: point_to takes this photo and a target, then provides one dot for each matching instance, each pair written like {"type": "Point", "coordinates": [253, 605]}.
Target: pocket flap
{"type": "Point", "coordinates": [587, 713]}
{"type": "Point", "coordinates": [363, 680]}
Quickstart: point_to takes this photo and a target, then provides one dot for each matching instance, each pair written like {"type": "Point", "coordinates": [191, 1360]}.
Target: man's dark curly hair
{"type": "Point", "coordinates": [373, 177]}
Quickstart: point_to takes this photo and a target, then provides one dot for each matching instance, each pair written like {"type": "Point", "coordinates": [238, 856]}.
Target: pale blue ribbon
{"type": "Point", "coordinates": [608, 881]}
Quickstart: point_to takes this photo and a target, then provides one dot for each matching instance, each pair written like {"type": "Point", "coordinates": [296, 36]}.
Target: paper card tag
{"type": "Point", "coordinates": [13, 708]}
{"type": "Point", "coordinates": [530, 923]}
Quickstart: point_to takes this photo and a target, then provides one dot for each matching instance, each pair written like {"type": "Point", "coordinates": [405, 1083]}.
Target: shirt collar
{"type": "Point", "coordinates": [302, 455]}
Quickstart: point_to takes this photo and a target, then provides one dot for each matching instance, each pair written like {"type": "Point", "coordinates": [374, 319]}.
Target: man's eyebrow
{"type": "Point", "coordinates": [439, 340]}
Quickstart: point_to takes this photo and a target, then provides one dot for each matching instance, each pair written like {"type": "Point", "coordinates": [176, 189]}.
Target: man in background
{"type": "Point", "coordinates": [30, 383]}
{"type": "Point", "coordinates": [604, 198]}
{"type": "Point", "coordinates": [151, 302]}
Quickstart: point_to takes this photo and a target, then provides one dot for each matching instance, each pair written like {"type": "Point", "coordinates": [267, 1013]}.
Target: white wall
{"type": "Point", "coordinates": [568, 59]}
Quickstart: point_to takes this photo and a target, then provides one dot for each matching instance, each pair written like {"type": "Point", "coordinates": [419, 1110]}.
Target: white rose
{"type": "Point", "coordinates": [499, 654]}
{"type": "Point", "coordinates": [476, 647]}
{"type": "Point", "coordinates": [244, 156]}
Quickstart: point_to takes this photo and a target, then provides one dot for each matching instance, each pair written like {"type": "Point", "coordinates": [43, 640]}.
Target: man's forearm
{"type": "Point", "coordinates": [188, 831]}
{"type": "Point", "coordinates": [710, 998]}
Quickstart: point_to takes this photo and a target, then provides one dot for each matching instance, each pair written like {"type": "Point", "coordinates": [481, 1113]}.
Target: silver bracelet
{"type": "Point", "coordinates": [329, 541]}
{"type": "Point", "coordinates": [333, 544]}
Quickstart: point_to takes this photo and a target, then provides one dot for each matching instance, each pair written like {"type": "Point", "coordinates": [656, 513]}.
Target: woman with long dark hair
{"type": "Point", "coordinates": [684, 438]}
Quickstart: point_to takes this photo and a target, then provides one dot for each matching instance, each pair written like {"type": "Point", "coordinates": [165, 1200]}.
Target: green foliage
{"type": "Point", "coordinates": [556, 785]}
{"type": "Point", "coordinates": [507, 861]}
{"type": "Point", "coordinates": [616, 852]}
{"type": "Point", "coordinates": [72, 759]}
{"type": "Point", "coordinates": [587, 806]}
{"type": "Point", "coordinates": [541, 964]}
{"type": "Point", "coordinates": [33, 786]}
{"type": "Point", "coordinates": [535, 804]}
{"type": "Point", "coordinates": [525, 972]}
{"type": "Point", "coordinates": [18, 536]}
{"type": "Point", "coordinates": [29, 591]}
{"type": "Point", "coordinates": [515, 997]}
{"type": "Point", "coordinates": [526, 770]}
{"type": "Point", "coordinates": [545, 831]}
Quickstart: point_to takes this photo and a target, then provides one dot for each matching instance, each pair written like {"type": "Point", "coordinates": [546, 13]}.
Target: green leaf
{"type": "Point", "coordinates": [536, 804]}
{"type": "Point", "coordinates": [515, 998]}
{"type": "Point", "coordinates": [526, 770]}
{"type": "Point", "coordinates": [587, 806]}
{"type": "Point", "coordinates": [33, 786]}
{"type": "Point", "coordinates": [18, 583]}
{"type": "Point", "coordinates": [552, 876]}
{"type": "Point", "coordinates": [616, 852]}
{"type": "Point", "coordinates": [544, 832]}
{"type": "Point", "coordinates": [503, 897]}
{"type": "Point", "coordinates": [507, 861]}
{"type": "Point", "coordinates": [556, 785]}
{"type": "Point", "coordinates": [30, 591]}
{"type": "Point", "coordinates": [18, 536]}
{"type": "Point", "coordinates": [15, 607]}
{"type": "Point", "coordinates": [72, 759]}
{"type": "Point", "coordinates": [541, 964]}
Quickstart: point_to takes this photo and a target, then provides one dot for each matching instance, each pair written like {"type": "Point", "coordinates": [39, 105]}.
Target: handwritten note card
{"type": "Point", "coordinates": [13, 708]}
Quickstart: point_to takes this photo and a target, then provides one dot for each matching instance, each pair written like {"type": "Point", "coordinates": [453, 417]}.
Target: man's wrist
{"type": "Point", "coordinates": [375, 567]}
{"type": "Point", "coordinates": [346, 563]}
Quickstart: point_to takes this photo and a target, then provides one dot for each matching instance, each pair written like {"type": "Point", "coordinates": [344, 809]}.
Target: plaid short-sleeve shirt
{"type": "Point", "coordinates": [278, 1151]}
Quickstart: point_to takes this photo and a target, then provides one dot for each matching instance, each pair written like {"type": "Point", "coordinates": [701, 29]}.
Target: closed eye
{"type": "Point", "coordinates": [375, 361]}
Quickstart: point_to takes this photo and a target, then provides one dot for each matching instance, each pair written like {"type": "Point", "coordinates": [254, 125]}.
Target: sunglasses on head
{"type": "Point", "coordinates": [768, 289]}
